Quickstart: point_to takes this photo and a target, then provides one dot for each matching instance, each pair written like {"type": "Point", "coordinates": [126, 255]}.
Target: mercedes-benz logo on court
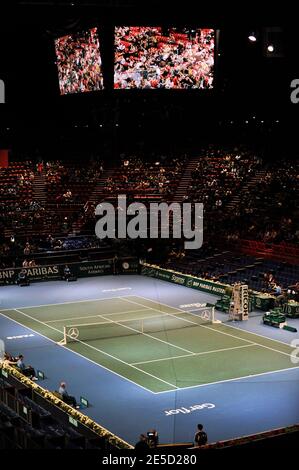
{"type": "Point", "coordinates": [205, 315]}
{"type": "Point", "coordinates": [73, 333]}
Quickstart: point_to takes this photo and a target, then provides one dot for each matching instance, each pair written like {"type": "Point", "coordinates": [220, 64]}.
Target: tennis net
{"type": "Point", "coordinates": [129, 327]}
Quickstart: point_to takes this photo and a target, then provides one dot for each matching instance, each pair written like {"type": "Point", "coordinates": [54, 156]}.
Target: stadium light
{"type": "Point", "coordinates": [252, 37]}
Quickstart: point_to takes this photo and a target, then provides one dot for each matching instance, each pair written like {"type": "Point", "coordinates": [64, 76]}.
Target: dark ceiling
{"type": "Point", "coordinates": [248, 83]}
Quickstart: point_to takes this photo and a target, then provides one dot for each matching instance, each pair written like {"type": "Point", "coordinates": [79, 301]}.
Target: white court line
{"type": "Point", "coordinates": [139, 385]}
{"type": "Point", "coordinates": [129, 311]}
{"type": "Point", "coordinates": [94, 316]}
{"type": "Point", "coordinates": [148, 335]}
{"type": "Point", "coordinates": [63, 303]}
{"type": "Point", "coordinates": [229, 380]}
{"type": "Point", "coordinates": [96, 349]}
{"type": "Point", "coordinates": [195, 354]}
{"type": "Point", "coordinates": [120, 322]}
{"type": "Point", "coordinates": [77, 354]}
{"type": "Point", "coordinates": [212, 329]}
{"type": "Point", "coordinates": [185, 311]}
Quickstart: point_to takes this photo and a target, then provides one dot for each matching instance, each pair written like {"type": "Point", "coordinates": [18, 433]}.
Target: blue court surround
{"type": "Point", "coordinates": [241, 407]}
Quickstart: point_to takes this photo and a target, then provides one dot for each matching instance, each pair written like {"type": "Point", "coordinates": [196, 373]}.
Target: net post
{"type": "Point", "coordinates": [64, 340]}
{"type": "Point", "coordinates": [213, 316]}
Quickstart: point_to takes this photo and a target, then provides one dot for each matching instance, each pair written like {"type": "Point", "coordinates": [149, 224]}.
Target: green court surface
{"type": "Point", "coordinates": [156, 346]}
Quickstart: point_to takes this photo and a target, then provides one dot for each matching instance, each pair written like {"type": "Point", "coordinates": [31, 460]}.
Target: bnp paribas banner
{"type": "Point", "coordinates": [184, 280]}
{"type": "Point", "coordinates": [40, 273]}
{"type": "Point", "coordinates": [84, 269]}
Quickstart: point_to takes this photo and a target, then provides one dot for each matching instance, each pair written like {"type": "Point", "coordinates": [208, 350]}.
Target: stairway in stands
{"type": "Point", "coordinates": [258, 176]}
{"type": "Point", "coordinates": [97, 195]}
{"type": "Point", "coordinates": [39, 188]}
{"type": "Point", "coordinates": [95, 198]}
{"type": "Point", "coordinates": [185, 182]}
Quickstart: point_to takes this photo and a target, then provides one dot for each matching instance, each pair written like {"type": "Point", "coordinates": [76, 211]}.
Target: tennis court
{"type": "Point", "coordinates": [156, 346]}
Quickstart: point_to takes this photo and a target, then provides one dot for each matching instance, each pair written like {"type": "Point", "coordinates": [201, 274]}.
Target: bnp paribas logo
{"type": "Point", "coordinates": [2, 92]}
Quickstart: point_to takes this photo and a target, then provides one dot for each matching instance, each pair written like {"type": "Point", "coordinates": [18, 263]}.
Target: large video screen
{"type": "Point", "coordinates": [156, 57]}
{"type": "Point", "coordinates": [79, 62]}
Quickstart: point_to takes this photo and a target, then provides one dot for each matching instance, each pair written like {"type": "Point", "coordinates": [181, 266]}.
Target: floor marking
{"type": "Point", "coordinates": [147, 334]}
{"type": "Point", "coordinates": [141, 386]}
{"type": "Point", "coordinates": [117, 289]}
{"type": "Point", "coordinates": [196, 354]}
{"type": "Point", "coordinates": [63, 303]}
{"type": "Point", "coordinates": [229, 380]}
{"type": "Point", "coordinates": [229, 326]}
{"type": "Point", "coordinates": [112, 322]}
{"type": "Point", "coordinates": [78, 354]}
{"type": "Point", "coordinates": [169, 306]}
{"type": "Point", "coordinates": [216, 331]}
{"type": "Point", "coordinates": [96, 349]}
{"type": "Point", "coordinates": [94, 316]}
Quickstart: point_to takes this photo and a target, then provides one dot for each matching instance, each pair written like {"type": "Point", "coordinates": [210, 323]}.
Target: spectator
{"type": "Point", "coordinates": [277, 290]}
{"type": "Point", "coordinates": [8, 359]}
{"type": "Point", "coordinates": [152, 438]}
{"type": "Point", "coordinates": [200, 438]}
{"type": "Point", "coordinates": [142, 445]}
{"type": "Point", "coordinates": [26, 370]}
{"type": "Point", "coordinates": [22, 279]}
{"type": "Point", "coordinates": [69, 399]}
{"type": "Point", "coordinates": [66, 273]}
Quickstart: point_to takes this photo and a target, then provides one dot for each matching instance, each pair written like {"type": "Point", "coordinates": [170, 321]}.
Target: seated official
{"type": "Point", "coordinates": [70, 400]}
{"type": "Point", "coordinates": [26, 370]}
{"type": "Point", "coordinates": [66, 272]}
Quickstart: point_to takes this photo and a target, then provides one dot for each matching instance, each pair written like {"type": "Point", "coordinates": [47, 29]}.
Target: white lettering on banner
{"type": "Point", "coordinates": [177, 279]}
{"type": "Point", "coordinates": [32, 272]}
{"type": "Point", "coordinates": [44, 270]}
{"type": "Point", "coordinates": [190, 409]}
{"type": "Point", "coordinates": [7, 274]}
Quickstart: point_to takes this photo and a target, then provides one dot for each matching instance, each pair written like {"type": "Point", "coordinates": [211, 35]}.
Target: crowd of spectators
{"type": "Point", "coordinates": [67, 188]}
{"type": "Point", "coordinates": [152, 57]}
{"type": "Point", "coordinates": [221, 174]}
{"type": "Point", "coordinates": [266, 210]}
{"type": "Point", "coordinates": [138, 176]}
{"type": "Point", "coordinates": [16, 181]}
{"type": "Point", "coordinates": [79, 62]}
{"type": "Point", "coordinates": [71, 183]}
{"type": "Point", "coordinates": [269, 211]}
{"type": "Point", "coordinates": [33, 250]}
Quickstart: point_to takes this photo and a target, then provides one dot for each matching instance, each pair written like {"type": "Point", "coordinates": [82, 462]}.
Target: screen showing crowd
{"type": "Point", "coordinates": [79, 62]}
{"type": "Point", "coordinates": [155, 57]}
